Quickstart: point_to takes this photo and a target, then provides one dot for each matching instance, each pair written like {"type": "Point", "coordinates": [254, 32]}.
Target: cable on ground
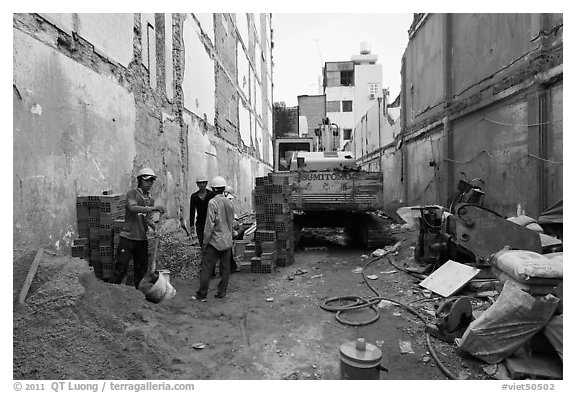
{"type": "Point", "coordinates": [360, 302]}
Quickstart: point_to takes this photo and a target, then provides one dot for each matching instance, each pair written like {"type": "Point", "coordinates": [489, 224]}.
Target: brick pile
{"type": "Point", "coordinates": [100, 220]}
{"type": "Point", "coordinates": [274, 237]}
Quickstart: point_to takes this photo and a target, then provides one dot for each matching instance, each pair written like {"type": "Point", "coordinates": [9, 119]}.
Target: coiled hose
{"type": "Point", "coordinates": [360, 302]}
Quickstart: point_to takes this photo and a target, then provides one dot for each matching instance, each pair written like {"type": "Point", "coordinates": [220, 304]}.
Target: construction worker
{"type": "Point", "coordinates": [237, 232]}
{"type": "Point", "coordinates": [133, 239]}
{"type": "Point", "coordinates": [199, 206]}
{"type": "Point", "coordinates": [217, 243]}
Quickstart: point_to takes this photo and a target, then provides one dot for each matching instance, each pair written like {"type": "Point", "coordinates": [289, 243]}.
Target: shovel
{"type": "Point", "coordinates": [152, 265]}
{"type": "Point", "coordinates": [152, 275]}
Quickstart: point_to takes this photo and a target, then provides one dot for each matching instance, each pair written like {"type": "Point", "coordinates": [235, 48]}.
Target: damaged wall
{"type": "Point", "coordinates": [482, 94]}
{"type": "Point", "coordinates": [98, 96]}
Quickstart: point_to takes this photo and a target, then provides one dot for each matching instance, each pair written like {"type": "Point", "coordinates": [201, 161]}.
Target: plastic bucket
{"type": "Point", "coordinates": [170, 292]}
{"type": "Point", "coordinates": [165, 273]}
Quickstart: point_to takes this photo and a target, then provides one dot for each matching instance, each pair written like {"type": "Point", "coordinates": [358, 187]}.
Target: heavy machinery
{"type": "Point", "coordinates": [330, 190]}
{"type": "Point", "coordinates": [468, 232]}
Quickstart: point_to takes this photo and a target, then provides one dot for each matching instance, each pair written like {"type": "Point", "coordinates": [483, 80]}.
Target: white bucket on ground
{"type": "Point", "coordinates": [160, 290]}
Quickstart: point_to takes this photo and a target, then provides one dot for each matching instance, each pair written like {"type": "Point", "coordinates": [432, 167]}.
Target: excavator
{"type": "Point", "coordinates": [330, 190]}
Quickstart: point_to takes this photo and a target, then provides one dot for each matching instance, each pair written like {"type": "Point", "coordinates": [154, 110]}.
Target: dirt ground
{"type": "Point", "coordinates": [73, 326]}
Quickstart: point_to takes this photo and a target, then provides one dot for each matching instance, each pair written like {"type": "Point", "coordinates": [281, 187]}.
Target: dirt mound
{"type": "Point", "coordinates": [73, 326]}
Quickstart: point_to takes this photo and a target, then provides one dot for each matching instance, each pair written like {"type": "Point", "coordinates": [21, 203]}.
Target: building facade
{"type": "Point", "coordinates": [96, 97]}
{"type": "Point", "coordinates": [351, 88]}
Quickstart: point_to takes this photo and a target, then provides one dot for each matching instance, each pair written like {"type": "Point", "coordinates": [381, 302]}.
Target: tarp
{"type": "Point", "coordinates": [553, 215]}
{"type": "Point", "coordinates": [505, 326]}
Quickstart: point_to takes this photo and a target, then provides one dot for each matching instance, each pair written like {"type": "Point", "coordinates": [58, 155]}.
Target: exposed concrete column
{"type": "Point", "coordinates": [403, 92]}
{"type": "Point", "coordinates": [539, 110]}
{"type": "Point", "coordinates": [448, 98]}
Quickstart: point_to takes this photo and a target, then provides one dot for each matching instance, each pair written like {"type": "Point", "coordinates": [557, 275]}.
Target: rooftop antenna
{"type": "Point", "coordinates": [319, 52]}
{"type": "Point", "coordinates": [321, 63]}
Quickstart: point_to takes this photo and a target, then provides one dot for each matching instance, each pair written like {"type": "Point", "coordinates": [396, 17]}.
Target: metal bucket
{"type": "Point", "coordinates": [360, 360]}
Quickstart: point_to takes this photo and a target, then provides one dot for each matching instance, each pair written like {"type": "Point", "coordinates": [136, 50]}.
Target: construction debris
{"type": "Point", "coordinates": [30, 275]}
{"type": "Point", "coordinates": [510, 322]}
{"type": "Point", "coordinates": [406, 347]}
{"type": "Point", "coordinates": [449, 278]}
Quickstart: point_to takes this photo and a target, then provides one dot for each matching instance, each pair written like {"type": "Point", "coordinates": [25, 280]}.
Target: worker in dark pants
{"type": "Point", "coordinates": [217, 245]}
{"type": "Point", "coordinates": [199, 206]}
{"type": "Point", "coordinates": [237, 233]}
{"type": "Point", "coordinates": [133, 242]}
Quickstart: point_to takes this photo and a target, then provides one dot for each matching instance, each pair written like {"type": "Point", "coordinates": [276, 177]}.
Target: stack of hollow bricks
{"type": "Point", "coordinates": [100, 220]}
{"type": "Point", "coordinates": [274, 237]}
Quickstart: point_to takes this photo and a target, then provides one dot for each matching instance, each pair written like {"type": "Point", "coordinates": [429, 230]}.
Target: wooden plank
{"type": "Point", "coordinates": [542, 367]}
{"type": "Point", "coordinates": [31, 274]}
{"type": "Point", "coordinates": [449, 278]}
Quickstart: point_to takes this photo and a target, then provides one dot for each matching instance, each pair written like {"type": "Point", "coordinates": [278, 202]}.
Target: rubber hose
{"type": "Point", "coordinates": [363, 302]}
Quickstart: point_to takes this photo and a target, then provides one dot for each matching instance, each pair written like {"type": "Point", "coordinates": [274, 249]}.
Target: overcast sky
{"type": "Point", "coordinates": [304, 41]}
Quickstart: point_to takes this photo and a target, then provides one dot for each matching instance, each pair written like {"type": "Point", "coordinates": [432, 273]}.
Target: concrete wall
{"type": "Point", "coordinates": [74, 134]}
{"type": "Point", "coordinates": [98, 96]}
{"type": "Point", "coordinates": [423, 79]}
{"type": "Point", "coordinates": [391, 165]}
{"type": "Point", "coordinates": [482, 94]}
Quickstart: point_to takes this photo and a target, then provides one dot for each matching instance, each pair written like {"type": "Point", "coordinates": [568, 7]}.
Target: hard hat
{"type": "Point", "coordinates": [230, 191]}
{"type": "Point", "coordinates": [201, 179]}
{"type": "Point", "coordinates": [218, 182]}
{"type": "Point", "coordinates": [146, 173]}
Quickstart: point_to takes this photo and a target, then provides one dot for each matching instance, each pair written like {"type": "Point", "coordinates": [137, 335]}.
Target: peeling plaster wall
{"type": "Point", "coordinates": [111, 34]}
{"type": "Point", "coordinates": [168, 58]}
{"type": "Point", "coordinates": [199, 84]}
{"type": "Point", "coordinates": [391, 167]}
{"type": "Point", "coordinates": [73, 134]}
{"type": "Point", "coordinates": [88, 115]}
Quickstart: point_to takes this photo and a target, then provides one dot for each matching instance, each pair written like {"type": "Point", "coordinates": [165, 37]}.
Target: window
{"type": "Point", "coordinates": [339, 74]}
{"type": "Point", "coordinates": [346, 78]}
{"type": "Point", "coordinates": [347, 133]}
{"type": "Point", "coordinates": [332, 106]}
{"type": "Point", "coordinates": [346, 106]}
{"type": "Point", "coordinates": [373, 88]}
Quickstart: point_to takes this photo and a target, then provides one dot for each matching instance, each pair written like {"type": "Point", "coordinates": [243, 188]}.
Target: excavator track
{"type": "Point", "coordinates": [366, 230]}
{"type": "Point", "coordinates": [370, 231]}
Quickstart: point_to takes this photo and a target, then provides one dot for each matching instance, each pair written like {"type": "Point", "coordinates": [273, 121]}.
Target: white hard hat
{"type": "Point", "coordinates": [201, 179]}
{"type": "Point", "coordinates": [146, 173]}
{"type": "Point", "coordinates": [218, 182]}
{"type": "Point", "coordinates": [230, 191]}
